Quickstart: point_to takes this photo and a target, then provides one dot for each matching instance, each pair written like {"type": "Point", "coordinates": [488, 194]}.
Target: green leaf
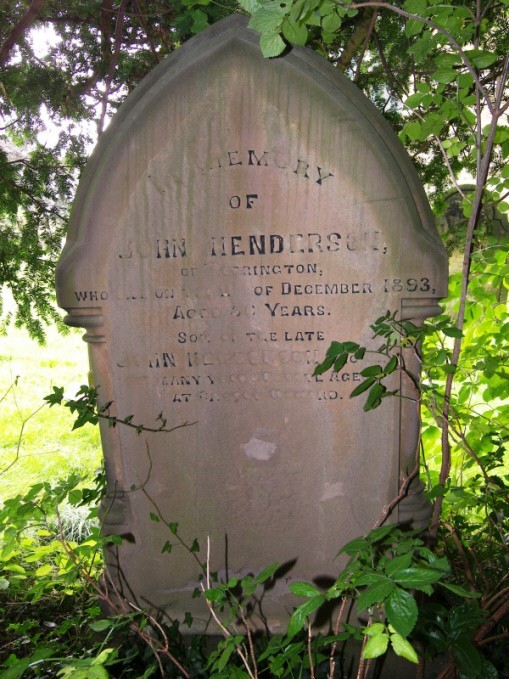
{"type": "Point", "coordinates": [375, 396]}
{"type": "Point", "coordinates": [460, 591]}
{"type": "Point", "coordinates": [195, 547]}
{"type": "Point", "coordinates": [43, 570]}
{"type": "Point", "coordinates": [376, 594]}
{"type": "Point", "coordinates": [340, 362]}
{"type": "Point", "coordinates": [167, 547]}
{"type": "Point", "coordinates": [401, 610]}
{"type": "Point", "coordinates": [304, 589]}
{"type": "Point", "coordinates": [376, 646]}
{"type": "Point", "coordinates": [391, 366]}
{"type": "Point", "coordinates": [300, 615]}
{"type": "Point", "coordinates": [296, 34]}
{"type": "Point", "coordinates": [451, 331]}
{"type": "Point", "coordinates": [331, 22]}
{"type": "Point", "coordinates": [154, 517]}
{"type": "Point", "coordinates": [267, 20]}
{"type": "Point", "coordinates": [363, 386]}
{"type": "Point", "coordinates": [480, 58]}
{"type": "Point", "coordinates": [249, 6]}
{"type": "Point", "coordinates": [444, 75]}
{"type": "Point", "coordinates": [371, 371]}
{"type": "Point", "coordinates": [413, 27]}
{"type": "Point", "coordinates": [266, 573]}
{"type": "Point", "coordinates": [404, 648]}
{"type": "Point", "coordinates": [397, 564]}
{"type": "Point", "coordinates": [416, 6]}
{"type": "Point", "coordinates": [200, 20]}
{"type": "Point", "coordinates": [101, 625]}
{"type": "Point", "coordinates": [417, 577]}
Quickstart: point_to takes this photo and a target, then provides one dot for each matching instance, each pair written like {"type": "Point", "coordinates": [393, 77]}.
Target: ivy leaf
{"type": "Point", "coordinates": [401, 610]}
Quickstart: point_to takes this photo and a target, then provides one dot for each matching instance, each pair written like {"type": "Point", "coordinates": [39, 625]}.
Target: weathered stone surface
{"type": "Point", "coordinates": [239, 215]}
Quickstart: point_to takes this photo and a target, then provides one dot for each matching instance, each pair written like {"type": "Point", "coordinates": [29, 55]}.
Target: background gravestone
{"type": "Point", "coordinates": [238, 215]}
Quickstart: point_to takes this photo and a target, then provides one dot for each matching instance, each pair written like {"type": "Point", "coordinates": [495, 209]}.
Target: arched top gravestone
{"type": "Point", "coordinates": [238, 215]}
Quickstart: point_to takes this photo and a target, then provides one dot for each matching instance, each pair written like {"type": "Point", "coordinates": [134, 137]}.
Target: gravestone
{"type": "Point", "coordinates": [238, 215]}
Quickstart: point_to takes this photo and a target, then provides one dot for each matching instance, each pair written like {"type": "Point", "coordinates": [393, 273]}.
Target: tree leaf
{"type": "Point", "coordinates": [296, 34]}
{"type": "Point", "coordinates": [300, 614]}
{"type": "Point", "coordinates": [266, 573]}
{"type": "Point", "coordinates": [304, 589]}
{"type": "Point", "coordinates": [376, 593]}
{"type": "Point", "coordinates": [404, 648]}
{"type": "Point", "coordinates": [376, 646]}
{"type": "Point", "coordinates": [417, 577]}
{"type": "Point", "coordinates": [401, 610]}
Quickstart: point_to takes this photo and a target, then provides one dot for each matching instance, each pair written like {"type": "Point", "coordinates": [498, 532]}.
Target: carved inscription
{"type": "Point", "coordinates": [219, 346]}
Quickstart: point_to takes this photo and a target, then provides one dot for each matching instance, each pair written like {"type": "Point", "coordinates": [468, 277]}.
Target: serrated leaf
{"type": "Point", "coordinates": [376, 646]}
{"type": "Point", "coordinates": [404, 648]}
{"type": "Point", "coordinates": [375, 594]}
{"type": "Point", "coordinates": [296, 34]}
{"type": "Point", "coordinates": [249, 6]}
{"type": "Point", "coordinates": [304, 589]}
{"type": "Point", "coordinates": [444, 75]}
{"type": "Point", "coordinates": [416, 577]}
{"type": "Point", "coordinates": [416, 6]}
{"type": "Point", "coordinates": [375, 628]}
{"type": "Point", "coordinates": [413, 27]}
{"type": "Point", "coordinates": [413, 130]}
{"type": "Point", "coordinates": [271, 44]}
{"type": "Point", "coordinates": [267, 20]}
{"type": "Point", "coordinates": [399, 563]}
{"type": "Point", "coordinates": [480, 58]}
{"type": "Point", "coordinates": [331, 22]}
{"type": "Point", "coordinates": [401, 610]}
{"type": "Point", "coordinates": [300, 615]}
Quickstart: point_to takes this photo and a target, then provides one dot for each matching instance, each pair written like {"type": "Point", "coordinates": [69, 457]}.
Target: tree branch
{"type": "Point", "coordinates": [19, 29]}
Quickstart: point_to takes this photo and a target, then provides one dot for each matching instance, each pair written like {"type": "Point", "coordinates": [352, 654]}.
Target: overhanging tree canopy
{"type": "Point", "coordinates": [101, 50]}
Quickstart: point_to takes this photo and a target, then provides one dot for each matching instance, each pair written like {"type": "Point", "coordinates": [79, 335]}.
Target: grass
{"type": "Point", "coordinates": [37, 442]}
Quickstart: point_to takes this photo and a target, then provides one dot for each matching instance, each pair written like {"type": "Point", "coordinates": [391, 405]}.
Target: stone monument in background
{"type": "Point", "coordinates": [238, 215]}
